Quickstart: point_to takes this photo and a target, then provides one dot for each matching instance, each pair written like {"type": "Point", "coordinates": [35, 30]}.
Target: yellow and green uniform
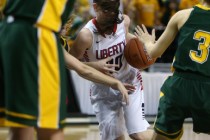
{"type": "Point", "coordinates": [32, 71]}
{"type": "Point", "coordinates": [186, 94]}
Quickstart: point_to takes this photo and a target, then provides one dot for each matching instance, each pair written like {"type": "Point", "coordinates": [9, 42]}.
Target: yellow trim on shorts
{"type": "Point", "coordinates": [15, 114]}
{"type": "Point", "coordinates": [177, 138]}
{"type": "Point", "coordinates": [20, 115]}
{"type": "Point", "coordinates": [63, 121]}
{"type": "Point", "coordinates": [161, 94]}
{"type": "Point", "coordinates": [50, 16]}
{"type": "Point", "coordinates": [168, 133]}
{"type": "Point", "coordinates": [171, 134]}
{"type": "Point", "coordinates": [7, 123]}
{"type": "Point", "coordinates": [13, 124]}
{"type": "Point", "coordinates": [49, 80]}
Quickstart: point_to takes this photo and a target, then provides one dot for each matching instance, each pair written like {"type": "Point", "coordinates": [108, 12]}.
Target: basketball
{"type": "Point", "coordinates": [136, 55]}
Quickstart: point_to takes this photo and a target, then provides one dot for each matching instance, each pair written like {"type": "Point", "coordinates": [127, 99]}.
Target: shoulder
{"type": "Point", "coordinates": [85, 36]}
{"type": "Point", "coordinates": [126, 21]}
{"type": "Point", "coordinates": [181, 17]}
{"type": "Point", "coordinates": [184, 12]}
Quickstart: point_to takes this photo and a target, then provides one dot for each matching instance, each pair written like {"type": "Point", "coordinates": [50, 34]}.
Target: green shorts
{"type": "Point", "coordinates": [184, 95]}
{"type": "Point", "coordinates": [32, 76]}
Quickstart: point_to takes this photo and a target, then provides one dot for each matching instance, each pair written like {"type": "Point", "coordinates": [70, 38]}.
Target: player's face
{"type": "Point", "coordinates": [107, 14]}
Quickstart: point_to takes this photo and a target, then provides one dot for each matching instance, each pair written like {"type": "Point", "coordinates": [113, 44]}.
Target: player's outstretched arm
{"type": "Point", "coordinates": [156, 49]}
{"type": "Point", "coordinates": [94, 75]}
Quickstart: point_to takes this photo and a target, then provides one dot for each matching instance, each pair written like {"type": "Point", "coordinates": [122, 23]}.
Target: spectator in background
{"type": "Point", "coordinates": [81, 9]}
{"type": "Point", "coordinates": [147, 13]}
{"type": "Point", "coordinates": [129, 9]}
{"type": "Point", "coordinates": [184, 4]}
{"type": "Point", "coordinates": [170, 8]}
{"type": "Point", "coordinates": [2, 4]}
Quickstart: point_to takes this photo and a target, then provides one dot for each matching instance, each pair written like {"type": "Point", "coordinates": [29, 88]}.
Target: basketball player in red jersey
{"type": "Point", "coordinates": [100, 44]}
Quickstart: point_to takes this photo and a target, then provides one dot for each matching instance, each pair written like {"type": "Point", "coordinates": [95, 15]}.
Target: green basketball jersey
{"type": "Point", "coordinates": [193, 50]}
{"type": "Point", "coordinates": [45, 13]}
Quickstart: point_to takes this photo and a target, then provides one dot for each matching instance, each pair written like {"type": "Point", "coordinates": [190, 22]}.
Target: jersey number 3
{"type": "Point", "coordinates": [203, 47]}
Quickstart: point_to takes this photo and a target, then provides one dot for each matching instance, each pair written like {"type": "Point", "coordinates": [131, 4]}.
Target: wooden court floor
{"type": "Point", "coordinates": [90, 132]}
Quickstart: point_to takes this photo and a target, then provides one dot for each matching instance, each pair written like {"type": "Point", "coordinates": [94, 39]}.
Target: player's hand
{"type": "Point", "coordinates": [124, 89]}
{"type": "Point", "coordinates": [142, 34]}
{"type": "Point", "coordinates": [105, 67]}
{"type": "Point", "coordinates": [129, 87]}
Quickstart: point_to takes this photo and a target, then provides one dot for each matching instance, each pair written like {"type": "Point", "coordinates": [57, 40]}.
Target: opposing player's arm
{"type": "Point", "coordinates": [92, 74]}
{"type": "Point", "coordinates": [156, 49]}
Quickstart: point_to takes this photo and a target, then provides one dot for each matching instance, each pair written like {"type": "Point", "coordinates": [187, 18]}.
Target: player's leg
{"type": "Point", "coordinates": [11, 86]}
{"type": "Point", "coordinates": [17, 133]}
{"type": "Point", "coordinates": [122, 137]}
{"type": "Point", "coordinates": [200, 105]}
{"type": "Point", "coordinates": [35, 79]}
{"type": "Point", "coordinates": [169, 121]}
{"type": "Point", "coordinates": [173, 108]}
{"type": "Point", "coordinates": [135, 118]}
{"type": "Point", "coordinates": [157, 136]}
{"type": "Point", "coordinates": [50, 134]}
{"type": "Point", "coordinates": [145, 135]}
{"type": "Point", "coordinates": [52, 100]}
{"type": "Point", "coordinates": [107, 106]}
{"type": "Point", "coordinates": [111, 124]}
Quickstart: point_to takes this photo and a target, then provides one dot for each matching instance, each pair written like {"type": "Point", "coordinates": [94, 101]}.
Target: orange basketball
{"type": "Point", "coordinates": [136, 55]}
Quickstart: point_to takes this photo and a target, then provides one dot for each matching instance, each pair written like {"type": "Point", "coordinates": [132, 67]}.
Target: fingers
{"type": "Point", "coordinates": [141, 30]}
{"type": "Point", "coordinates": [138, 33]}
{"type": "Point", "coordinates": [144, 29]}
{"type": "Point", "coordinates": [125, 99]}
{"type": "Point", "coordinates": [129, 87]}
{"type": "Point", "coordinates": [109, 74]}
{"type": "Point", "coordinates": [111, 65]}
{"type": "Point", "coordinates": [108, 59]}
{"type": "Point", "coordinates": [107, 67]}
{"type": "Point", "coordinates": [138, 30]}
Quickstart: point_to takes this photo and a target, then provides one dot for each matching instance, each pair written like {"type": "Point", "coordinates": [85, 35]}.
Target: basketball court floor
{"type": "Point", "coordinates": [81, 129]}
